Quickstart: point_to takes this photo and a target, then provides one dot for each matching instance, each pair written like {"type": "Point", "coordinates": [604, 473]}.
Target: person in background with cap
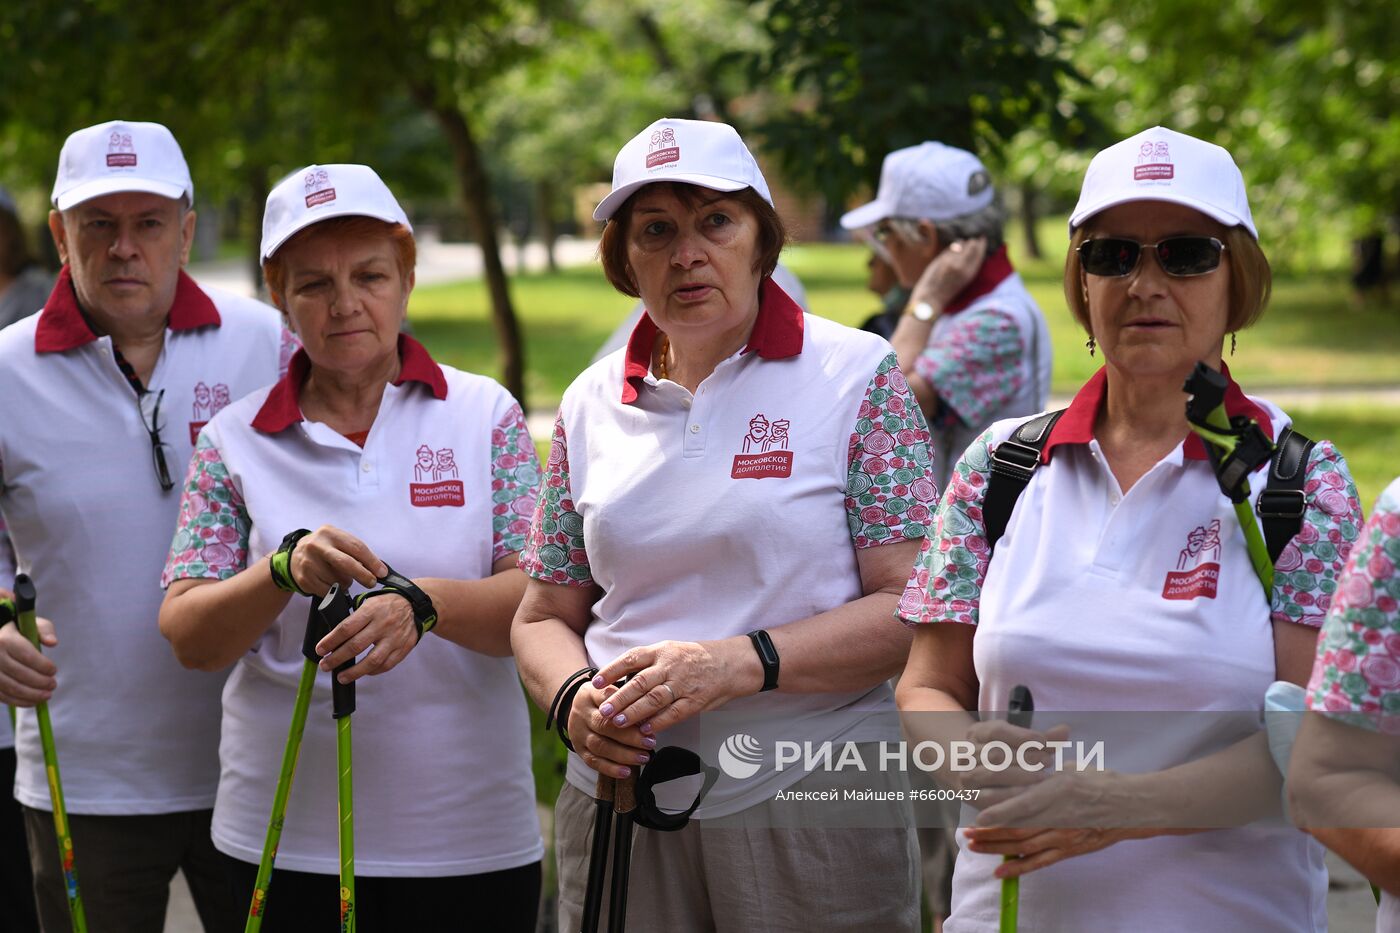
{"type": "Point", "coordinates": [973, 344]}
{"type": "Point", "coordinates": [730, 506]}
{"type": "Point", "coordinates": [1122, 582]}
{"type": "Point", "coordinates": [414, 464]}
{"type": "Point", "coordinates": [100, 409]}
{"type": "Point", "coordinates": [24, 284]}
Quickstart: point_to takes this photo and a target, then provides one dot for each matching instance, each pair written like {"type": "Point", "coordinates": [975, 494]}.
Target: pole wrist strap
{"type": "Point", "coordinates": [396, 584]}
{"type": "Point", "coordinates": [281, 563]}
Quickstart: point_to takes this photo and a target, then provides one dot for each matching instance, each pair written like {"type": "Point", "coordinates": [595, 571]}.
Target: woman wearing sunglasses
{"type": "Point", "coordinates": [1122, 583]}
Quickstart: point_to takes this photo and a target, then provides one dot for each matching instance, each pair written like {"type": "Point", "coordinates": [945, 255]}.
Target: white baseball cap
{"type": "Point", "coordinates": [697, 152]}
{"type": "Point", "coordinates": [118, 156]}
{"type": "Point", "coordinates": [320, 192]}
{"type": "Point", "coordinates": [1163, 165]}
{"type": "Point", "coordinates": [929, 181]}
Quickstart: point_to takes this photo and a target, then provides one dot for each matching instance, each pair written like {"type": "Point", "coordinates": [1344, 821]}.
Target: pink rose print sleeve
{"type": "Point", "coordinates": [515, 483]}
{"type": "Point", "coordinates": [554, 550]}
{"type": "Point", "coordinates": [1357, 671]}
{"type": "Point", "coordinates": [974, 367]}
{"type": "Point", "coordinates": [890, 493]}
{"type": "Point", "coordinates": [946, 585]}
{"type": "Point", "coordinates": [1305, 574]}
{"type": "Point", "coordinates": [211, 532]}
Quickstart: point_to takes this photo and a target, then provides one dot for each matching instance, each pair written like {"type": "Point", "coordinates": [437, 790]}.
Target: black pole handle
{"type": "Point", "coordinates": [25, 594]}
{"type": "Point", "coordinates": [1020, 706]}
{"type": "Point", "coordinates": [1207, 390]}
{"type": "Point", "coordinates": [335, 608]}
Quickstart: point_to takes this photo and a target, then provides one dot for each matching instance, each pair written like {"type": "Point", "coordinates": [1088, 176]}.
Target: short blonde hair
{"type": "Point", "coordinates": [1251, 280]}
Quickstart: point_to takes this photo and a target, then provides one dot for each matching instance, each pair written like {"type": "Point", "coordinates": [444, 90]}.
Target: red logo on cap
{"type": "Point", "coordinates": [1154, 163]}
{"type": "Point", "coordinates": [663, 148]}
{"type": "Point", "coordinates": [318, 188]}
{"type": "Point", "coordinates": [120, 152]}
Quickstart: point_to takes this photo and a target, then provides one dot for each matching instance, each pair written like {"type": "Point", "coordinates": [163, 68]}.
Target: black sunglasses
{"type": "Point", "coordinates": [1180, 256]}
{"type": "Point", "coordinates": [149, 404]}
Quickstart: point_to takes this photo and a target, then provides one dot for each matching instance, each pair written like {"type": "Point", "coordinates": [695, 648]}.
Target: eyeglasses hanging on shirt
{"type": "Point", "coordinates": [148, 404]}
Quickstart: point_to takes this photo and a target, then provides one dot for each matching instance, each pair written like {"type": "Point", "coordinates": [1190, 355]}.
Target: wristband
{"type": "Point", "coordinates": [281, 563]}
{"type": "Point", "coordinates": [768, 655]}
{"type": "Point", "coordinates": [396, 584]}
{"type": "Point", "coordinates": [563, 703]}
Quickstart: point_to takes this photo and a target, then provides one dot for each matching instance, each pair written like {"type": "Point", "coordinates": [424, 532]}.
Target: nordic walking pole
{"type": "Point", "coordinates": [1019, 708]}
{"type": "Point", "coordinates": [334, 609]}
{"type": "Point", "coordinates": [624, 808]}
{"type": "Point", "coordinates": [315, 631]}
{"type": "Point", "coordinates": [25, 598]}
{"type": "Point", "coordinates": [598, 854]}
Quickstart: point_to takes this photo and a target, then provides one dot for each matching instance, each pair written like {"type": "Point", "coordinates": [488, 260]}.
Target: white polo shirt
{"type": "Point", "coordinates": [1102, 601]}
{"type": "Point", "coordinates": [740, 507]}
{"type": "Point", "coordinates": [443, 487]}
{"type": "Point", "coordinates": [988, 357]}
{"type": "Point", "coordinates": [136, 732]}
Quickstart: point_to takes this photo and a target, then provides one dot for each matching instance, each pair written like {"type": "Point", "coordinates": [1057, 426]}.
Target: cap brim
{"type": "Point", "coordinates": [118, 185]}
{"type": "Point", "coordinates": [1081, 216]}
{"type": "Point", "coordinates": [271, 246]}
{"type": "Point", "coordinates": [866, 215]}
{"type": "Point", "coordinates": [609, 205]}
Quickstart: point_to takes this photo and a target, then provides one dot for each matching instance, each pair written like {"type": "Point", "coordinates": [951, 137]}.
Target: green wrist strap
{"type": "Point", "coordinates": [396, 584]}
{"type": "Point", "coordinates": [281, 563]}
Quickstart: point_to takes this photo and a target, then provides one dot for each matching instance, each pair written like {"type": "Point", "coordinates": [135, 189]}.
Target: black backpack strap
{"type": "Point", "coordinates": [1013, 463]}
{"type": "Point", "coordinates": [1281, 504]}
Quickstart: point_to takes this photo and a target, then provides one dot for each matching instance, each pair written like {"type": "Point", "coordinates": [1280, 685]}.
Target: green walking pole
{"type": "Point", "coordinates": [25, 598]}
{"type": "Point", "coordinates": [335, 609]}
{"type": "Point", "coordinates": [1235, 448]}
{"type": "Point", "coordinates": [1019, 709]}
{"type": "Point", "coordinates": [315, 631]}
{"type": "Point", "coordinates": [7, 615]}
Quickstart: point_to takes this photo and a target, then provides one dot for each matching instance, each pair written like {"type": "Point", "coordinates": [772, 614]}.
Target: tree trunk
{"type": "Point", "coordinates": [544, 201]}
{"type": "Point", "coordinates": [255, 191]}
{"type": "Point", "coordinates": [1029, 215]}
{"type": "Point", "coordinates": [476, 198]}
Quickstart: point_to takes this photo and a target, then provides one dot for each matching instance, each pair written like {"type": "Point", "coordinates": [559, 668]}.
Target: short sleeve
{"type": "Point", "coordinates": [1306, 573]}
{"type": "Point", "coordinates": [515, 483]}
{"type": "Point", "coordinates": [946, 584]}
{"type": "Point", "coordinates": [890, 491]}
{"type": "Point", "coordinates": [554, 548]}
{"type": "Point", "coordinates": [974, 366]}
{"type": "Point", "coordinates": [212, 529]}
{"type": "Point", "coordinates": [1357, 670]}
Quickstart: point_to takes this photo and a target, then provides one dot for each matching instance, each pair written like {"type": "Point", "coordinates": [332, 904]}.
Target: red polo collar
{"type": "Point", "coordinates": [282, 407]}
{"type": "Point", "coordinates": [776, 335]}
{"type": "Point", "coordinates": [995, 270]}
{"type": "Point", "coordinates": [62, 325]}
{"type": "Point", "coordinates": [1076, 425]}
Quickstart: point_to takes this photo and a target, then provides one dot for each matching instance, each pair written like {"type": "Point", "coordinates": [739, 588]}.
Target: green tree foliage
{"type": "Point", "coordinates": [869, 78]}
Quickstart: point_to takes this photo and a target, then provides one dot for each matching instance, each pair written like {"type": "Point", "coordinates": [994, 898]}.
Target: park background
{"type": "Point", "coordinates": [495, 121]}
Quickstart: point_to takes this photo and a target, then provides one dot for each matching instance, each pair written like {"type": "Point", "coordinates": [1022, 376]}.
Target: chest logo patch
{"type": "Point", "coordinates": [765, 450]}
{"type": "Point", "coordinates": [208, 402]}
{"type": "Point", "coordinates": [1197, 565]}
{"type": "Point", "coordinates": [435, 480]}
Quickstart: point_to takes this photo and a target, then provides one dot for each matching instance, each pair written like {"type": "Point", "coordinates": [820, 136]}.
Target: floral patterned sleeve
{"type": "Point", "coordinates": [554, 550]}
{"type": "Point", "coordinates": [890, 490]}
{"type": "Point", "coordinates": [1306, 573]}
{"type": "Point", "coordinates": [974, 366]}
{"type": "Point", "coordinates": [946, 585]}
{"type": "Point", "coordinates": [212, 530]}
{"type": "Point", "coordinates": [515, 483]}
{"type": "Point", "coordinates": [1357, 670]}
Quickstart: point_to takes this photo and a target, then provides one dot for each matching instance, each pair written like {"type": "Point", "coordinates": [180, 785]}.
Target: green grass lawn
{"type": "Point", "coordinates": [1311, 335]}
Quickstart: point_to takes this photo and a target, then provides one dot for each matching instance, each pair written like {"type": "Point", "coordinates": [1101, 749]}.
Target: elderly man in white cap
{"type": "Point", "coordinates": [972, 344]}
{"type": "Point", "coordinates": [99, 415]}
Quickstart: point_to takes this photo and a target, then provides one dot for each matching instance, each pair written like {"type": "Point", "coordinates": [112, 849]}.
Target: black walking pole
{"type": "Point", "coordinates": [598, 855]}
{"type": "Point", "coordinates": [1019, 708]}
{"type": "Point", "coordinates": [624, 807]}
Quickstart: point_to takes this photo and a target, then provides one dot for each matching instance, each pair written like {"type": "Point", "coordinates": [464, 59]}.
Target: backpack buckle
{"type": "Point", "coordinates": [1015, 459]}
{"type": "Point", "coordinates": [1281, 503]}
